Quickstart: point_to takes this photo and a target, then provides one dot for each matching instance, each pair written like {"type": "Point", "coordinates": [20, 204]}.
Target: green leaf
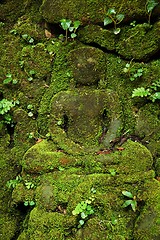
{"type": "Point", "coordinates": [140, 92]}
{"type": "Point", "coordinates": [83, 205]}
{"type": "Point", "coordinates": [114, 221]}
{"type": "Point", "coordinates": [73, 35]}
{"type": "Point", "coordinates": [31, 203]}
{"type": "Point", "coordinates": [134, 205]}
{"type": "Point", "coordinates": [83, 215]}
{"type": "Point", "coordinates": [13, 31]}
{"type": "Point", "coordinates": [111, 11]}
{"type": "Point", "coordinates": [127, 194]}
{"type": "Point", "coordinates": [25, 36]}
{"type": "Point", "coordinates": [139, 74]}
{"type": "Point", "coordinates": [89, 208]}
{"type": "Point", "coordinates": [71, 29]}
{"type": "Point", "coordinates": [30, 114]}
{"type": "Point", "coordinates": [135, 75]}
{"type": "Point", "coordinates": [112, 172]}
{"type": "Point", "coordinates": [14, 81]}
{"type": "Point", "coordinates": [125, 70]}
{"type": "Point", "coordinates": [30, 106]}
{"type": "Point", "coordinates": [65, 23]}
{"type": "Point", "coordinates": [116, 31]}
{"type": "Point", "coordinates": [151, 4]}
{"type": "Point", "coordinates": [81, 222]}
{"type": "Point", "coordinates": [127, 203]}
{"type": "Point", "coordinates": [7, 80]}
{"type": "Point", "coordinates": [32, 72]}
{"type": "Point", "coordinates": [128, 65]}
{"type": "Point", "coordinates": [91, 211]}
{"type": "Point", "coordinates": [107, 21]}
{"type": "Point", "coordinates": [8, 75]}
{"type": "Point", "coordinates": [120, 17]}
{"type": "Point", "coordinates": [30, 79]}
{"type": "Point", "coordinates": [31, 40]}
{"type": "Point", "coordinates": [26, 203]}
{"type": "Point", "coordinates": [76, 24]}
{"type": "Point", "coordinates": [93, 190]}
{"type": "Point", "coordinates": [155, 96]}
{"type": "Point", "coordinates": [74, 212]}
{"type": "Point", "coordinates": [140, 70]}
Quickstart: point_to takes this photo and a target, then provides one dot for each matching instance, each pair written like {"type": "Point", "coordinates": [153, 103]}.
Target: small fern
{"type": "Point", "coordinates": [140, 92]}
{"type": "Point", "coordinates": [152, 92]}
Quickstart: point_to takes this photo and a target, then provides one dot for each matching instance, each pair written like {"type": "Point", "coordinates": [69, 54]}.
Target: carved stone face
{"type": "Point", "coordinates": [85, 64]}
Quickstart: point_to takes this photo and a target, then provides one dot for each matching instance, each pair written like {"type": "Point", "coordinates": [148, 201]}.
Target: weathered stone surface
{"type": "Point", "coordinates": [83, 114]}
{"type": "Point", "coordinates": [95, 34]}
{"type": "Point", "coordinates": [148, 223]}
{"type": "Point", "coordinates": [91, 10]}
{"type": "Point", "coordinates": [81, 94]}
{"type": "Point", "coordinates": [140, 42]}
{"type": "Point", "coordinates": [60, 191]}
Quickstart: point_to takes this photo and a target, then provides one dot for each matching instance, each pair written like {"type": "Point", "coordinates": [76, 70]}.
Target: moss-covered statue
{"type": "Point", "coordinates": [81, 188]}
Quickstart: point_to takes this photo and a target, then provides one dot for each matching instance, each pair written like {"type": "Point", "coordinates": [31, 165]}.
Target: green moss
{"type": "Point", "coordinates": [94, 34]}
{"type": "Point", "coordinates": [8, 226]}
{"type": "Point", "coordinates": [58, 225]}
{"type": "Point", "coordinates": [141, 42]}
{"type": "Point", "coordinates": [148, 116]}
{"type": "Point", "coordinates": [61, 79]}
{"type": "Point", "coordinates": [44, 157]}
{"type": "Point", "coordinates": [85, 10]}
{"type": "Point", "coordinates": [82, 100]}
{"type": "Point", "coordinates": [148, 223]}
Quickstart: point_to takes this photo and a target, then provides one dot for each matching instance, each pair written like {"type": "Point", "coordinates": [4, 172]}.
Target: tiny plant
{"type": "Point", "coordinates": [84, 209]}
{"type": "Point", "coordinates": [112, 172]}
{"type": "Point", "coordinates": [29, 203]}
{"type": "Point", "coordinates": [133, 24]}
{"type": "Point", "coordinates": [13, 31]}
{"type": "Point", "coordinates": [152, 92]}
{"type": "Point", "coordinates": [131, 202]}
{"type": "Point", "coordinates": [70, 26]}
{"type": "Point", "coordinates": [132, 72]}
{"type": "Point", "coordinates": [29, 185]}
{"type": "Point", "coordinates": [28, 38]}
{"type": "Point", "coordinates": [113, 17]}
{"type": "Point", "coordinates": [5, 108]}
{"type": "Point", "coordinates": [13, 182]}
{"type": "Point", "coordinates": [21, 63]}
{"type": "Point", "coordinates": [9, 79]}
{"type": "Point", "coordinates": [30, 109]}
{"type": "Point", "coordinates": [150, 5]}
{"type": "Point", "coordinates": [2, 24]}
{"type": "Point", "coordinates": [31, 75]}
